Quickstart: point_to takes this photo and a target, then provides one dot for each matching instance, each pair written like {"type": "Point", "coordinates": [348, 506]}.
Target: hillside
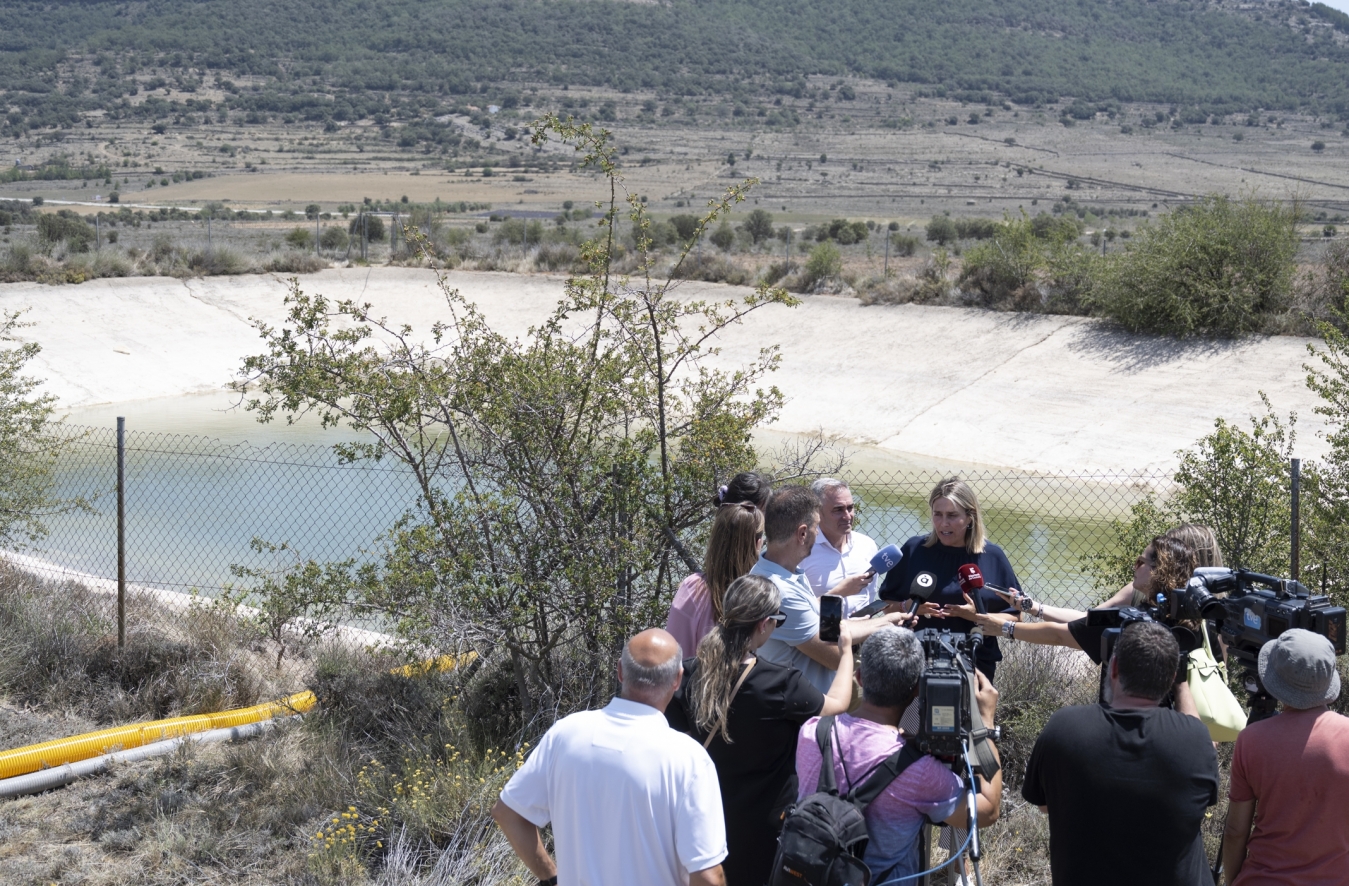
{"type": "Point", "coordinates": [343, 59]}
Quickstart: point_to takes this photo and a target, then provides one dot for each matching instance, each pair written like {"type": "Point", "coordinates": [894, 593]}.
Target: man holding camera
{"type": "Point", "coordinates": [1127, 785]}
{"type": "Point", "coordinates": [630, 799]}
{"type": "Point", "coordinates": [790, 523]}
{"type": "Point", "coordinates": [1290, 774]}
{"type": "Point", "coordinates": [889, 667]}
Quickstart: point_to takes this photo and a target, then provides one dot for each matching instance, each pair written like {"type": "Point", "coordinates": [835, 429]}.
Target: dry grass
{"type": "Point", "coordinates": [387, 756]}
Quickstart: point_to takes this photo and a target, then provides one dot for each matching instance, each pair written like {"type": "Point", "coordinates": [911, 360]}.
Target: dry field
{"type": "Point", "coordinates": [1012, 159]}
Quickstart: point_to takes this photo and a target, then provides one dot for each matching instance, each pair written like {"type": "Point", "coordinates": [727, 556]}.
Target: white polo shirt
{"type": "Point", "coordinates": [826, 566]}
{"type": "Point", "coordinates": [631, 800]}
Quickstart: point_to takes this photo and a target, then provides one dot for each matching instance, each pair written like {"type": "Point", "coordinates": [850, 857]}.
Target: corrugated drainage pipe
{"type": "Point", "coordinates": [36, 782]}
{"type": "Point", "coordinates": [33, 758]}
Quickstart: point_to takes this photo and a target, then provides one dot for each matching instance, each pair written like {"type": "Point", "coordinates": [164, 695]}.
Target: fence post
{"type": "Point", "coordinates": [1295, 551]}
{"type": "Point", "coordinates": [121, 531]}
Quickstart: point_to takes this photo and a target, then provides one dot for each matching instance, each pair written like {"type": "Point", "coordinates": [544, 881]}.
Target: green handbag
{"type": "Point", "coordinates": [1218, 707]}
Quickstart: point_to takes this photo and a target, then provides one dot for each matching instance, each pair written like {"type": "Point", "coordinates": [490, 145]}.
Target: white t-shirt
{"type": "Point", "coordinates": [826, 566]}
{"type": "Point", "coordinates": [631, 800]}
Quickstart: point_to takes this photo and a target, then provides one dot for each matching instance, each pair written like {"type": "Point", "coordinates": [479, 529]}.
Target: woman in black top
{"type": "Point", "coordinates": [747, 713]}
{"type": "Point", "coordinates": [957, 538]}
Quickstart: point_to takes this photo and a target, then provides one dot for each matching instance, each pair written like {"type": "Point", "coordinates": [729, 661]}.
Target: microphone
{"type": "Point", "coordinates": [923, 586]}
{"type": "Point", "coordinates": [971, 583]}
{"type": "Point", "coordinates": [886, 558]}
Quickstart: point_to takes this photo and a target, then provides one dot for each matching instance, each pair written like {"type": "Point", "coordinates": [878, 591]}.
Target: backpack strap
{"type": "Point", "coordinates": [882, 775]}
{"type": "Point", "coordinates": [823, 738]}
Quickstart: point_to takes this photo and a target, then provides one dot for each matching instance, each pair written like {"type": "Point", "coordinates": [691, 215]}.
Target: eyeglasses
{"type": "Point", "coordinates": [778, 618]}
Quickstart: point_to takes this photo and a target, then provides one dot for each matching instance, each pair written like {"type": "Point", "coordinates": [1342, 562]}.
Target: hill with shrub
{"type": "Point", "coordinates": [344, 59]}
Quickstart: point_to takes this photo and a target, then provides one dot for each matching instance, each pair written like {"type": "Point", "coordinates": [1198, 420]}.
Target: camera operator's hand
{"type": "Point", "coordinates": [987, 696]}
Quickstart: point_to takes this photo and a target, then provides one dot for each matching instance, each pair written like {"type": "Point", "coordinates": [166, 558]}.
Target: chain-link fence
{"type": "Point", "coordinates": [193, 506]}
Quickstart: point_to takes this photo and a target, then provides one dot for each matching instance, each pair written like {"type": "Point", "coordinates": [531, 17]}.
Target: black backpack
{"type": "Point", "coordinates": [824, 837]}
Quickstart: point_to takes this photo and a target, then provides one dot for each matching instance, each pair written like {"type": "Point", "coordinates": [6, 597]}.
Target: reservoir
{"type": "Point", "coordinates": [203, 479]}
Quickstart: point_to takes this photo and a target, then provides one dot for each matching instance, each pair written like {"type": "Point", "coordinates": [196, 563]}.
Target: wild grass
{"type": "Point", "coordinates": [383, 783]}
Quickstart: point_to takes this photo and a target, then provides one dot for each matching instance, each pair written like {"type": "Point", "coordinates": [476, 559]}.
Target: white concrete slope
{"type": "Point", "coordinates": [1015, 390]}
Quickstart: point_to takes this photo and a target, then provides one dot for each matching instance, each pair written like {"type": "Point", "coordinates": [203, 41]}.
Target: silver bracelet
{"type": "Point", "coordinates": [1009, 630]}
{"type": "Point", "coordinates": [1040, 610]}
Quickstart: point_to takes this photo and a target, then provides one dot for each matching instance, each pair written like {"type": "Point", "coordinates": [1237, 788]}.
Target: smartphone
{"type": "Point", "coordinates": [831, 614]}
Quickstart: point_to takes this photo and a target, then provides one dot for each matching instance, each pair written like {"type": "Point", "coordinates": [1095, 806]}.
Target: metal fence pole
{"type": "Point", "coordinates": [1295, 552]}
{"type": "Point", "coordinates": [121, 531]}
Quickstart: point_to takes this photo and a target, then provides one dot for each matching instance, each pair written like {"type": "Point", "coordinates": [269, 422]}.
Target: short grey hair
{"type": "Point", "coordinates": [824, 484]}
{"type": "Point", "coordinates": [656, 677]}
{"type": "Point", "coordinates": [892, 660]}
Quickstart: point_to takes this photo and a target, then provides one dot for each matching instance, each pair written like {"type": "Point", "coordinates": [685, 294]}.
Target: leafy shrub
{"type": "Point", "coordinates": [65, 227]}
{"type": "Point", "coordinates": [373, 225]}
{"type": "Point", "coordinates": [905, 244]}
{"type": "Point", "coordinates": [724, 236]}
{"type": "Point", "coordinates": [1017, 269]}
{"type": "Point", "coordinates": [300, 238]}
{"type": "Point", "coordinates": [712, 268]}
{"type": "Point", "coordinates": [686, 226]}
{"type": "Point", "coordinates": [842, 231]}
{"type": "Point", "coordinates": [1220, 267]}
{"type": "Point", "coordinates": [221, 262]}
{"type": "Point", "coordinates": [941, 230]}
{"type": "Point", "coordinates": [334, 238]}
{"type": "Point", "coordinates": [975, 228]}
{"type": "Point", "coordinates": [558, 257]}
{"type": "Point", "coordinates": [825, 261]}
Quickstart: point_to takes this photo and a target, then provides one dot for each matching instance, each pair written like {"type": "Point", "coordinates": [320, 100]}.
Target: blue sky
{"type": "Point", "coordinates": [1341, 5]}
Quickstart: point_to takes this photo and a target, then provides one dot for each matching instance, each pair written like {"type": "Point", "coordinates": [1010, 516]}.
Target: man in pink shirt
{"type": "Point", "coordinates": [1290, 775]}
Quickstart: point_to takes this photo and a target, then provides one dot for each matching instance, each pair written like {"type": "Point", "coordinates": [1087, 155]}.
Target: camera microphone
{"type": "Point", "coordinates": [886, 559]}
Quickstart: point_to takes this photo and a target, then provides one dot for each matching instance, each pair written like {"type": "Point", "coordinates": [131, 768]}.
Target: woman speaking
{"type": "Point", "coordinates": [957, 538]}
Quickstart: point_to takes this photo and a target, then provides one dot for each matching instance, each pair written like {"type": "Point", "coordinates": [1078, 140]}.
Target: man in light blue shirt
{"type": "Point", "coordinates": [790, 524]}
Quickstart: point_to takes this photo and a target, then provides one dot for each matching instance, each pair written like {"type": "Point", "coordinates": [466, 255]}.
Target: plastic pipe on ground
{"type": "Point", "coordinates": [36, 782]}
{"type": "Point", "coordinates": [61, 751]}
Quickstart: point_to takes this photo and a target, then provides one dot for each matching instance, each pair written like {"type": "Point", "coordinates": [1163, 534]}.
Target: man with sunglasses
{"type": "Point", "coordinates": [790, 524]}
{"type": "Point", "coordinates": [840, 561]}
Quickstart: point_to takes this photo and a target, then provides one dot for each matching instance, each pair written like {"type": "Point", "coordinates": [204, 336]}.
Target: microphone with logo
{"type": "Point", "coordinates": [885, 560]}
{"type": "Point", "coordinates": [971, 583]}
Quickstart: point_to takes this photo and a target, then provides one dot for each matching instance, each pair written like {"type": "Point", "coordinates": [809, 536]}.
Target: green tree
{"type": "Point", "coordinates": [1219, 267]}
{"type": "Point", "coordinates": [30, 444]}
{"type": "Point", "coordinates": [759, 225]}
{"type": "Point", "coordinates": [941, 230]}
{"type": "Point", "coordinates": [300, 238]}
{"type": "Point", "coordinates": [1234, 480]}
{"type": "Point", "coordinates": [724, 236]}
{"type": "Point", "coordinates": [562, 476]}
{"type": "Point", "coordinates": [825, 261]}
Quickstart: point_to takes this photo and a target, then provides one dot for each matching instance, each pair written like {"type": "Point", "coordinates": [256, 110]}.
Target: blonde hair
{"type": "Point", "coordinates": [960, 493]}
{"type": "Point", "coordinates": [732, 549]}
{"type": "Point", "coordinates": [721, 654]}
{"type": "Point", "coordinates": [1201, 540]}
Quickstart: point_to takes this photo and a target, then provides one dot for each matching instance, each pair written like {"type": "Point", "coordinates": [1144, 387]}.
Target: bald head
{"type": "Point", "coordinates": [650, 668]}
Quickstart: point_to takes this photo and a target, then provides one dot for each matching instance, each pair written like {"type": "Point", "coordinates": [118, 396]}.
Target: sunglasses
{"type": "Point", "coordinates": [778, 618]}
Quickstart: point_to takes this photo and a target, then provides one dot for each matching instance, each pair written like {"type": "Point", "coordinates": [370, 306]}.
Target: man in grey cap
{"type": "Point", "coordinates": [1290, 774]}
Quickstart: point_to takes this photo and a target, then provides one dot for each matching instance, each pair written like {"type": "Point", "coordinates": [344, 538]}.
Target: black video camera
{"type": "Point", "coordinates": [1258, 608]}
{"type": "Point", "coordinates": [948, 711]}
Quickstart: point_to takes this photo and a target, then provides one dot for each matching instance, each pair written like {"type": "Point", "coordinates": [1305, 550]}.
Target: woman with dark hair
{"type": "Point", "coordinates": [957, 538]}
{"type": "Point", "coordinates": [732, 551]}
{"type": "Point", "coordinates": [1167, 563]}
{"type": "Point", "coordinates": [747, 711]}
{"type": "Point", "coordinates": [1200, 539]}
{"type": "Point", "coordinates": [745, 486]}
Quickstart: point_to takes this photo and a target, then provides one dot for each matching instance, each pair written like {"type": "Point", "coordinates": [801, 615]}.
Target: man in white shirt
{"type": "Point", "coordinates": [631, 800]}
{"type": "Point", "coordinates": [840, 561]}
{"type": "Point", "coordinates": [790, 522]}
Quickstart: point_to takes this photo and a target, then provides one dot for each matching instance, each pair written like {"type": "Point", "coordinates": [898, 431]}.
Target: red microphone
{"type": "Point", "coordinates": [971, 579]}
